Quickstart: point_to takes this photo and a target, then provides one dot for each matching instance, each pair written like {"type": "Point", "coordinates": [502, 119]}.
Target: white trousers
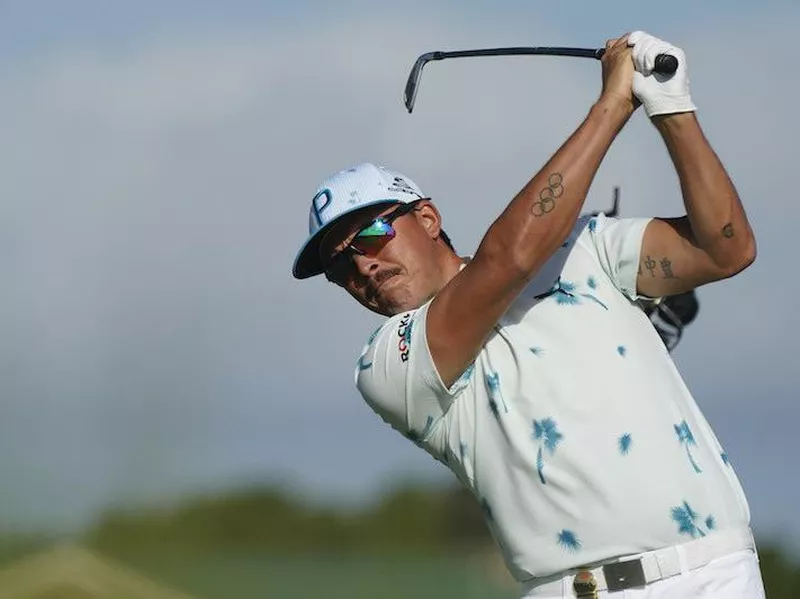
{"type": "Point", "coordinates": [733, 576]}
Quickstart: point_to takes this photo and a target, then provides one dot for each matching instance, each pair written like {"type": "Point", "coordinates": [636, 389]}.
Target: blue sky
{"type": "Point", "coordinates": [158, 159]}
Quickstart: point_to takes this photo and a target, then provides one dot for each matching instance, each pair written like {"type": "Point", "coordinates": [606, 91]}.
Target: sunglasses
{"type": "Point", "coordinates": [367, 242]}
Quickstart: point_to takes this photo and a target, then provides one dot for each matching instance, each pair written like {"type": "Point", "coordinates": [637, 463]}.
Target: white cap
{"type": "Point", "coordinates": [343, 193]}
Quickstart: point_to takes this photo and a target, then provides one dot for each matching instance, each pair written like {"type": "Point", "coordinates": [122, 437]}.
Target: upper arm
{"type": "Point", "coordinates": [464, 313]}
{"type": "Point", "coordinates": [652, 257]}
{"type": "Point", "coordinates": [671, 261]}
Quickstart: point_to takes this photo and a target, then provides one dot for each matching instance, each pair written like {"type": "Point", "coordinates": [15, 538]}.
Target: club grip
{"type": "Point", "coordinates": [666, 64]}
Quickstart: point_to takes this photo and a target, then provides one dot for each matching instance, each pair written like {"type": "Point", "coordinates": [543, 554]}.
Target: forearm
{"type": "Point", "coordinates": [542, 214]}
{"type": "Point", "coordinates": [716, 215]}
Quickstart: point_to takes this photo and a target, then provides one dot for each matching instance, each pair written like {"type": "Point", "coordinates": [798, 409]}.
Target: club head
{"type": "Point", "coordinates": [413, 79]}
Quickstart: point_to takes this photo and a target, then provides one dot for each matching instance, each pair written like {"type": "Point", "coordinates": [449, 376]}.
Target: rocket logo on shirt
{"type": "Point", "coordinates": [404, 334]}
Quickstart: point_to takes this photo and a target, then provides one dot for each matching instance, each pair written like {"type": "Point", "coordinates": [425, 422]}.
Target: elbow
{"type": "Point", "coordinates": [736, 262]}
{"type": "Point", "coordinates": [513, 261]}
{"type": "Point", "coordinates": [750, 253]}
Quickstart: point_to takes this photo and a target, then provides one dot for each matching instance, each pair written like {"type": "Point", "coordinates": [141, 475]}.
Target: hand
{"type": "Point", "coordinates": [618, 74]}
{"type": "Point", "coordinates": [660, 94]}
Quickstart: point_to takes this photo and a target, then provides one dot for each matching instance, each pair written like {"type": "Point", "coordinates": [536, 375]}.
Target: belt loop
{"type": "Point", "coordinates": [684, 563]}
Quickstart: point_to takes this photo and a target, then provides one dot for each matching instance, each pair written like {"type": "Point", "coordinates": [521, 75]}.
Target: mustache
{"type": "Point", "coordinates": [379, 278]}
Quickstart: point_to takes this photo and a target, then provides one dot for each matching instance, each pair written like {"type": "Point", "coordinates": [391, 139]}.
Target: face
{"type": "Point", "coordinates": [389, 265]}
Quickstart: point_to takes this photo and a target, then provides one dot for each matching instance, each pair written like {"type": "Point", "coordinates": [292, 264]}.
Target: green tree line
{"type": "Point", "coordinates": [270, 519]}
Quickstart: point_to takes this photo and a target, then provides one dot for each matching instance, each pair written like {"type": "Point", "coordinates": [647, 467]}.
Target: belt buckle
{"type": "Point", "coordinates": [585, 585]}
{"type": "Point", "coordinates": [624, 575]}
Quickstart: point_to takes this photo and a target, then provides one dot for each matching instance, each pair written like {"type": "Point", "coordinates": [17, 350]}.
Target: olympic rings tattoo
{"type": "Point", "coordinates": [547, 197]}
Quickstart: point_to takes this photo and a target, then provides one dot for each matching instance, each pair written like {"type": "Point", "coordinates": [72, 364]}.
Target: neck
{"type": "Point", "coordinates": [453, 266]}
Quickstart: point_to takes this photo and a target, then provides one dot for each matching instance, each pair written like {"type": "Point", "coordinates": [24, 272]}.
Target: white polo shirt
{"type": "Point", "coordinates": [573, 427]}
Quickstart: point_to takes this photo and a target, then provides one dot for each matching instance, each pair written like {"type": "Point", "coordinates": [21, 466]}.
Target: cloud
{"type": "Point", "coordinates": [157, 193]}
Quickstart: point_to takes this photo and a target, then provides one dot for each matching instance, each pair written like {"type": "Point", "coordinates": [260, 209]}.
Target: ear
{"type": "Point", "coordinates": [430, 219]}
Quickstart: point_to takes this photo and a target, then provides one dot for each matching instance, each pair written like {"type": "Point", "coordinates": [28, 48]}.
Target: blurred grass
{"type": "Point", "coordinates": [254, 576]}
{"type": "Point", "coordinates": [230, 574]}
{"type": "Point", "coordinates": [258, 575]}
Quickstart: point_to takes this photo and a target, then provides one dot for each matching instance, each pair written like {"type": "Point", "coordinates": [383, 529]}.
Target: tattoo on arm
{"type": "Point", "coordinates": [664, 263]}
{"type": "Point", "coordinates": [650, 265]}
{"type": "Point", "coordinates": [727, 231]}
{"type": "Point", "coordinates": [666, 268]}
{"type": "Point", "coordinates": [548, 196]}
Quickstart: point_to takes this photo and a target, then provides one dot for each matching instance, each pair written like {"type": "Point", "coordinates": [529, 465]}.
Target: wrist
{"type": "Point", "coordinates": [674, 123]}
{"type": "Point", "coordinates": [616, 108]}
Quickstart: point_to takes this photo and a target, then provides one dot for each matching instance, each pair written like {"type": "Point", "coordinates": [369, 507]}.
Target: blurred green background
{"type": "Point", "coordinates": [418, 540]}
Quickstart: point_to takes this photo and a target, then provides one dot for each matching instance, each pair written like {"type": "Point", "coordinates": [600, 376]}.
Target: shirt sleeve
{"type": "Point", "coordinates": [397, 378]}
{"type": "Point", "coordinates": [617, 244]}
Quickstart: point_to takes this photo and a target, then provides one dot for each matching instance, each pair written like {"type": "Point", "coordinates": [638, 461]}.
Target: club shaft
{"type": "Point", "coordinates": [521, 50]}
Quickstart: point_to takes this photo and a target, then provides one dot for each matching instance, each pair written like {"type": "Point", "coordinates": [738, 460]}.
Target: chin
{"type": "Point", "coordinates": [398, 302]}
{"type": "Point", "coordinates": [386, 308]}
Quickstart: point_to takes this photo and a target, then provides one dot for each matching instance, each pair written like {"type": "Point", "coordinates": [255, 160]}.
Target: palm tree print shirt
{"type": "Point", "coordinates": [572, 428]}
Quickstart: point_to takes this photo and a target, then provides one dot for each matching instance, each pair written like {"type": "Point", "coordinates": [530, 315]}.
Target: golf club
{"type": "Point", "coordinates": [614, 211]}
{"type": "Point", "coordinates": [665, 64]}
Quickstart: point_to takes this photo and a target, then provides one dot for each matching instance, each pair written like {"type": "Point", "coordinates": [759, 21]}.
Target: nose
{"type": "Point", "coordinates": [365, 265]}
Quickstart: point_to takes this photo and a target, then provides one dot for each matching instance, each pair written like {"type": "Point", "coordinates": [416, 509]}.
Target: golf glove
{"type": "Point", "coordinates": [659, 94]}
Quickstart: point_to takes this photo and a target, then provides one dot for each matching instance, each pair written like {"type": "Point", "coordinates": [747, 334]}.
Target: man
{"type": "Point", "coordinates": [530, 370]}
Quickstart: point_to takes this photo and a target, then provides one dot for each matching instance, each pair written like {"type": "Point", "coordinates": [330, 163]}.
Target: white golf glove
{"type": "Point", "coordinates": [659, 94]}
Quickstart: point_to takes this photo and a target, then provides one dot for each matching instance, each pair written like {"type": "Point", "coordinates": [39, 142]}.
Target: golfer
{"type": "Point", "coordinates": [529, 370]}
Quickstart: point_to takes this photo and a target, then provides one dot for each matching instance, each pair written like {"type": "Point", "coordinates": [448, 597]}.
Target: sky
{"type": "Point", "coordinates": [157, 161]}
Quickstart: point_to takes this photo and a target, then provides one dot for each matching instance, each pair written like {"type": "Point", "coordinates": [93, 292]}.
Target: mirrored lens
{"type": "Point", "coordinates": [371, 239]}
{"type": "Point", "coordinates": [378, 228]}
{"type": "Point", "coordinates": [370, 245]}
